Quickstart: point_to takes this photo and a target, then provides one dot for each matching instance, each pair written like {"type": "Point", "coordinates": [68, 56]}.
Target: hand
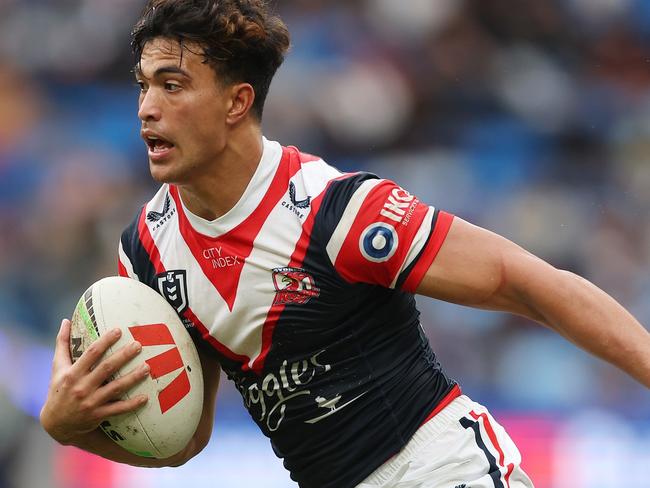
{"type": "Point", "coordinates": [79, 397]}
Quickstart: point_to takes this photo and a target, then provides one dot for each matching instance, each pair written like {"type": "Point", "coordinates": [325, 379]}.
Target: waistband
{"type": "Point", "coordinates": [458, 408]}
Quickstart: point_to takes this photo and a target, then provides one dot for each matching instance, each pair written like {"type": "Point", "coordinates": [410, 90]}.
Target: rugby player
{"type": "Point", "coordinates": [298, 281]}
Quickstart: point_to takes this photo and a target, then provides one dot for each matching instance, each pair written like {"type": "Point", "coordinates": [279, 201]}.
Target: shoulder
{"type": "Point", "coordinates": [134, 237]}
{"type": "Point", "coordinates": [322, 180]}
{"type": "Point", "coordinates": [152, 211]}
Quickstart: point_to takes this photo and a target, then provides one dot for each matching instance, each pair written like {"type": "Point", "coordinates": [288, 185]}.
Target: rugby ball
{"type": "Point", "coordinates": [166, 423]}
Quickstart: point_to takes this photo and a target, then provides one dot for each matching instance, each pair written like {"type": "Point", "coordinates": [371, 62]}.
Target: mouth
{"type": "Point", "coordinates": [159, 147]}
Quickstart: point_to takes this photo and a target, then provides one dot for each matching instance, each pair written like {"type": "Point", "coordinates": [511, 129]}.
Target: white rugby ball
{"type": "Point", "coordinates": [166, 423]}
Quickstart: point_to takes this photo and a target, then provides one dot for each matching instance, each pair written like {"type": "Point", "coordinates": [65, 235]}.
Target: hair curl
{"type": "Point", "coordinates": [241, 40]}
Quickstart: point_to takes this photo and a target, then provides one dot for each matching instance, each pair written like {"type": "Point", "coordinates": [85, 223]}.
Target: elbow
{"type": "Point", "coordinates": [184, 456]}
{"type": "Point", "coordinates": [181, 458]}
{"type": "Point", "coordinates": [200, 441]}
{"type": "Point", "coordinates": [529, 286]}
{"type": "Point", "coordinates": [193, 448]}
{"type": "Point", "coordinates": [546, 291]}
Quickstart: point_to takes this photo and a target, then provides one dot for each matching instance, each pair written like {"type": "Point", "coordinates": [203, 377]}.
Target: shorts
{"type": "Point", "coordinates": [460, 447]}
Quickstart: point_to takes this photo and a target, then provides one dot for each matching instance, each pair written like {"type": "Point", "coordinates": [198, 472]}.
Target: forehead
{"type": "Point", "coordinates": [170, 52]}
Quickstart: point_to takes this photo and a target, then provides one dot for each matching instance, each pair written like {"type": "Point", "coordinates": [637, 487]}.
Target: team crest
{"type": "Point", "coordinates": [293, 285]}
{"type": "Point", "coordinates": [172, 285]}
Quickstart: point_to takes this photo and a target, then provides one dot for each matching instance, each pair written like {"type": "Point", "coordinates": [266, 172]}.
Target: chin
{"type": "Point", "coordinates": [160, 176]}
{"type": "Point", "coordinates": [164, 173]}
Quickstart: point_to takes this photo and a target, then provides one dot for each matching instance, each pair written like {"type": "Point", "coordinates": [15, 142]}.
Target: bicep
{"type": "Point", "coordinates": [478, 268]}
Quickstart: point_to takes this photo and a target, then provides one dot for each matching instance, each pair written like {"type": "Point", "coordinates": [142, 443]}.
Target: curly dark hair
{"type": "Point", "coordinates": [241, 40]}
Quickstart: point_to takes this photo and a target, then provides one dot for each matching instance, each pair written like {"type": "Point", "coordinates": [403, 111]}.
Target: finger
{"type": "Point", "coordinates": [115, 389]}
{"type": "Point", "coordinates": [96, 350]}
{"type": "Point", "coordinates": [62, 346]}
{"type": "Point", "coordinates": [121, 407]}
{"type": "Point", "coordinates": [111, 364]}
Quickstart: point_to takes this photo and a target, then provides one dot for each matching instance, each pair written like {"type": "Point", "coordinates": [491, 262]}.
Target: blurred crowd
{"type": "Point", "coordinates": [528, 117]}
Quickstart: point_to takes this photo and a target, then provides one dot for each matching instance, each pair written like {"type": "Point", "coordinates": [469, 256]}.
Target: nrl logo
{"type": "Point", "coordinates": [293, 285]}
{"type": "Point", "coordinates": [173, 286]}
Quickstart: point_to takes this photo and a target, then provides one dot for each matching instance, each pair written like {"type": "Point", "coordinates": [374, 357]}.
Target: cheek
{"type": "Point", "coordinates": [207, 127]}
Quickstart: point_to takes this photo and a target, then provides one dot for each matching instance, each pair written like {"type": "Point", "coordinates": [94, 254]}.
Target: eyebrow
{"type": "Point", "coordinates": [162, 70]}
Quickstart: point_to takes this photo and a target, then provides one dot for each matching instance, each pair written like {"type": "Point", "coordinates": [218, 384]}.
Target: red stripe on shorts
{"type": "Point", "coordinates": [493, 438]}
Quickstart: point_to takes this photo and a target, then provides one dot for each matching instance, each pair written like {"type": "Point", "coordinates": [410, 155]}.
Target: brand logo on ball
{"type": "Point", "coordinates": [293, 285]}
{"type": "Point", "coordinates": [164, 363]}
{"type": "Point", "coordinates": [173, 286]}
{"type": "Point", "coordinates": [378, 242]}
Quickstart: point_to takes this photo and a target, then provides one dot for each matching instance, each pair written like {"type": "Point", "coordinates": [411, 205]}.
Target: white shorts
{"type": "Point", "coordinates": [461, 447]}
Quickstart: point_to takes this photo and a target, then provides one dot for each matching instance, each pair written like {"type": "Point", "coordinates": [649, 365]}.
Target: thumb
{"type": "Point", "coordinates": [62, 348]}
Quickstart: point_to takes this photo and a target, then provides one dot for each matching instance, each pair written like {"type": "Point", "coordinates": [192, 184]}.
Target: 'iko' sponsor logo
{"type": "Point", "coordinates": [400, 206]}
{"type": "Point", "coordinates": [379, 241]}
{"type": "Point", "coordinates": [164, 363]}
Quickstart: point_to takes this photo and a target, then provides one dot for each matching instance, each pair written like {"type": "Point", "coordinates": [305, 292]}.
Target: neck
{"type": "Point", "coordinates": [215, 192]}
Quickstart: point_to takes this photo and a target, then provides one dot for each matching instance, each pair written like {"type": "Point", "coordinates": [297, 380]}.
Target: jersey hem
{"type": "Point", "coordinates": [454, 393]}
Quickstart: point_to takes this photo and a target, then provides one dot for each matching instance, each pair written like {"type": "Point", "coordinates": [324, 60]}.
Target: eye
{"type": "Point", "coordinates": [171, 86]}
{"type": "Point", "coordinates": [141, 85]}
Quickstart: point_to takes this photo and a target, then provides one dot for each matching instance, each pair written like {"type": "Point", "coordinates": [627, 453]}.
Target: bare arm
{"type": "Point", "coordinates": [478, 268]}
{"type": "Point", "coordinates": [78, 401]}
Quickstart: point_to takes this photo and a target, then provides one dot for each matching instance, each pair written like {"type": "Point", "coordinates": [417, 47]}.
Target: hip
{"type": "Point", "coordinates": [462, 446]}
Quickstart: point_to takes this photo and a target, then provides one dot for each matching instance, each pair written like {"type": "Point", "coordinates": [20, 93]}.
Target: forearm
{"type": "Point", "coordinates": [98, 443]}
{"type": "Point", "coordinates": [481, 269]}
{"type": "Point", "coordinates": [80, 396]}
{"type": "Point", "coordinates": [593, 320]}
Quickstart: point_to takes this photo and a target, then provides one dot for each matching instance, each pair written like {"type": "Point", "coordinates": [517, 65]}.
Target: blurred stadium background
{"type": "Point", "coordinates": [528, 117]}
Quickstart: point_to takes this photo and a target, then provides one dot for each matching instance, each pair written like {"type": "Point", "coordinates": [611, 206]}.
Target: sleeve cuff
{"type": "Point", "coordinates": [429, 253]}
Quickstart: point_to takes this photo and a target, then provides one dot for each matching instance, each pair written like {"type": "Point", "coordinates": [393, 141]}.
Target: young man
{"type": "Point", "coordinates": [300, 281]}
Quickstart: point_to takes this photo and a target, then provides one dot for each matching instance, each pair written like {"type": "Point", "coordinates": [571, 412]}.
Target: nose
{"type": "Point", "coordinates": [149, 106]}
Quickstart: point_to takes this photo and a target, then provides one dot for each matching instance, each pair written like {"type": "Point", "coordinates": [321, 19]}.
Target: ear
{"type": "Point", "coordinates": [242, 96]}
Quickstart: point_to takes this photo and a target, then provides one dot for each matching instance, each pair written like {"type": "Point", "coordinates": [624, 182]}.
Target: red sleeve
{"type": "Point", "coordinates": [386, 236]}
{"type": "Point", "coordinates": [422, 262]}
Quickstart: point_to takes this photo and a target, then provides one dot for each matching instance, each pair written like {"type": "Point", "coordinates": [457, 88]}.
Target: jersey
{"type": "Point", "coordinates": [304, 293]}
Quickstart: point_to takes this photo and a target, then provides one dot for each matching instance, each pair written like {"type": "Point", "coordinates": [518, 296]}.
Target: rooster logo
{"type": "Point", "coordinates": [293, 285]}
